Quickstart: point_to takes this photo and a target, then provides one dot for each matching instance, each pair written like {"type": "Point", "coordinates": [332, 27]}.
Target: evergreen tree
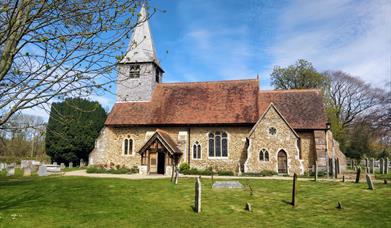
{"type": "Point", "coordinates": [72, 129]}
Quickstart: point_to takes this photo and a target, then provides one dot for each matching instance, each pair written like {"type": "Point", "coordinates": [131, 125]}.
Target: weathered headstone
{"type": "Point", "coordinates": [197, 199]}
{"type": "Point", "coordinates": [54, 163]}
{"type": "Point", "coordinates": [176, 176]}
{"type": "Point", "coordinates": [381, 166]}
{"type": "Point", "coordinates": [369, 182]}
{"type": "Point", "coordinates": [227, 184]}
{"type": "Point", "coordinates": [2, 166]}
{"type": "Point", "coordinates": [42, 171]}
{"type": "Point", "coordinates": [248, 207]}
{"type": "Point", "coordinates": [372, 167]}
{"type": "Point", "coordinates": [358, 175]}
{"type": "Point", "coordinates": [27, 171]}
{"type": "Point", "coordinates": [385, 181]}
{"type": "Point", "coordinates": [70, 165]}
{"type": "Point", "coordinates": [316, 171]}
{"type": "Point", "coordinates": [82, 163]}
{"type": "Point", "coordinates": [343, 178]}
{"type": "Point", "coordinates": [294, 190]}
{"type": "Point", "coordinates": [10, 170]}
{"type": "Point", "coordinates": [339, 206]}
{"type": "Point", "coordinates": [386, 163]}
{"type": "Point", "coordinates": [62, 166]}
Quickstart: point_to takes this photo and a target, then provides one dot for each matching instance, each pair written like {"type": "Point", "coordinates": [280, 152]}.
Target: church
{"type": "Point", "coordinates": [228, 125]}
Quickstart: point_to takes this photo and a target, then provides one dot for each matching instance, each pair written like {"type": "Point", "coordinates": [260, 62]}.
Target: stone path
{"type": "Point", "coordinates": [83, 173]}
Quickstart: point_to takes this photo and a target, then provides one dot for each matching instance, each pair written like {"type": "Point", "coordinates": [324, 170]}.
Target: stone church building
{"type": "Point", "coordinates": [227, 125]}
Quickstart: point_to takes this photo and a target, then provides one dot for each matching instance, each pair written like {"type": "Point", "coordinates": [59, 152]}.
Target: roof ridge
{"type": "Point", "coordinates": [208, 82]}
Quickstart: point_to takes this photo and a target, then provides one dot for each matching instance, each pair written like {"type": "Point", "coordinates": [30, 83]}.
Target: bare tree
{"type": "Point", "coordinates": [351, 98]}
{"type": "Point", "coordinates": [54, 49]}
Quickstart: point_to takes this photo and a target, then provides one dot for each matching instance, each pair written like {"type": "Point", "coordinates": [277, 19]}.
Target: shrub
{"type": "Point", "coordinates": [225, 173]}
{"type": "Point", "coordinates": [184, 167]}
{"type": "Point", "coordinates": [113, 170]}
{"type": "Point", "coordinates": [265, 173]}
{"type": "Point", "coordinates": [194, 171]}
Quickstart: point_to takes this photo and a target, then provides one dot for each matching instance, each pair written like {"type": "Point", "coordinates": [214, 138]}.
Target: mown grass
{"type": "Point", "coordinates": [93, 202]}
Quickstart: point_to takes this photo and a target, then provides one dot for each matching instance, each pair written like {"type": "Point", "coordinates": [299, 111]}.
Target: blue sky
{"type": "Point", "coordinates": [199, 40]}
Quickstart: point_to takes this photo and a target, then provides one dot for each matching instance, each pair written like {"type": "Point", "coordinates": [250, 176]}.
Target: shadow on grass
{"type": "Point", "coordinates": [287, 202]}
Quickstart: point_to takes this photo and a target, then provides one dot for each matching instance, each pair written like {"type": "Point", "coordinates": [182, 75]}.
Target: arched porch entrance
{"type": "Point", "coordinates": [282, 162]}
{"type": "Point", "coordinates": [160, 154]}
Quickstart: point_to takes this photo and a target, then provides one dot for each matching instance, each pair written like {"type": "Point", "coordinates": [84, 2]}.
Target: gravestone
{"type": "Point", "coordinates": [369, 182]}
{"type": "Point", "coordinates": [10, 170]}
{"type": "Point", "coordinates": [386, 163]}
{"type": "Point", "coordinates": [82, 163]}
{"type": "Point", "coordinates": [381, 166]}
{"type": "Point", "coordinates": [343, 178]}
{"type": "Point", "coordinates": [372, 168]}
{"type": "Point", "coordinates": [197, 198]}
{"type": "Point", "coordinates": [42, 171]}
{"type": "Point", "coordinates": [62, 166]}
{"type": "Point", "coordinates": [54, 163]}
{"type": "Point", "coordinates": [227, 184]}
{"type": "Point", "coordinates": [358, 174]}
{"type": "Point", "coordinates": [176, 176]}
{"type": "Point", "coordinates": [70, 165]}
{"type": "Point", "coordinates": [27, 171]}
{"type": "Point", "coordinates": [2, 166]}
{"type": "Point", "coordinates": [294, 190]}
{"type": "Point", "coordinates": [248, 207]}
{"type": "Point", "coordinates": [316, 171]}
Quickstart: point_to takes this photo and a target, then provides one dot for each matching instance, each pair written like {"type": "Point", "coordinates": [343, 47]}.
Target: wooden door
{"type": "Point", "coordinates": [282, 162]}
{"type": "Point", "coordinates": [153, 162]}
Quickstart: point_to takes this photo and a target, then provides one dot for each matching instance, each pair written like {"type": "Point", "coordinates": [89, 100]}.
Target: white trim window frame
{"type": "Point", "coordinates": [220, 147]}
{"type": "Point", "coordinates": [197, 151]}
{"type": "Point", "coordinates": [128, 147]}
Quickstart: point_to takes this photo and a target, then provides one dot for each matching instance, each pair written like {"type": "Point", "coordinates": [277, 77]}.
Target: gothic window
{"type": "Point", "coordinates": [134, 71]}
{"type": "Point", "coordinates": [218, 144]}
{"type": "Point", "coordinates": [264, 155]}
{"type": "Point", "coordinates": [196, 151]}
{"type": "Point", "coordinates": [272, 130]}
{"type": "Point", "coordinates": [128, 146]}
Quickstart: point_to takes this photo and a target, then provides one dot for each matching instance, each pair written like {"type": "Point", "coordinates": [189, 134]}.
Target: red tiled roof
{"type": "Point", "coordinates": [192, 103]}
{"type": "Point", "coordinates": [302, 108]}
{"type": "Point", "coordinates": [223, 102]}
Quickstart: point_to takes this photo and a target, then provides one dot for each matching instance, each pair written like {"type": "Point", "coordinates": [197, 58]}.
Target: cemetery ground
{"type": "Point", "coordinates": [59, 201]}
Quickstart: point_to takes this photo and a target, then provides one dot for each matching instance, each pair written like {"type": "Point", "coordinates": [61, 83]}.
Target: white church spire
{"type": "Point", "coordinates": [141, 48]}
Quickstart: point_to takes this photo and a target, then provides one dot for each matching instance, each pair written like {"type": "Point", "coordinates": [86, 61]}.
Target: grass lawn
{"type": "Point", "coordinates": [92, 202]}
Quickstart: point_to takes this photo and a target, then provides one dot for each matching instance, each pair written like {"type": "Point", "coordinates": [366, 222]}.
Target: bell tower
{"type": "Point", "coordinates": [139, 71]}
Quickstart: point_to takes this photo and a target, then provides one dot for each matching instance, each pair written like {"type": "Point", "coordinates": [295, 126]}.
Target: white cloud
{"type": "Point", "coordinates": [337, 35]}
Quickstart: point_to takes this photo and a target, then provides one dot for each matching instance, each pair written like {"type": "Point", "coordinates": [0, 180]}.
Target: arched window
{"type": "Point", "coordinates": [264, 155]}
{"type": "Point", "coordinates": [128, 146]}
{"type": "Point", "coordinates": [196, 150]}
{"type": "Point", "coordinates": [211, 145]}
{"type": "Point", "coordinates": [218, 144]}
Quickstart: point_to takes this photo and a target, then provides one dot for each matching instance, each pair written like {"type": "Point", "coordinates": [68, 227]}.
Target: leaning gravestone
{"type": "Point", "coordinates": [27, 171]}
{"type": "Point", "coordinates": [227, 184]}
{"type": "Point", "coordinates": [70, 165]}
{"type": "Point", "coordinates": [386, 166]}
{"type": "Point", "coordinates": [358, 174]}
{"type": "Point", "coordinates": [248, 207]}
{"type": "Point", "coordinates": [197, 199]}
{"type": "Point", "coordinates": [10, 170]}
{"type": "Point", "coordinates": [42, 171]}
{"type": "Point", "coordinates": [370, 182]}
{"type": "Point", "coordinates": [381, 166]}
